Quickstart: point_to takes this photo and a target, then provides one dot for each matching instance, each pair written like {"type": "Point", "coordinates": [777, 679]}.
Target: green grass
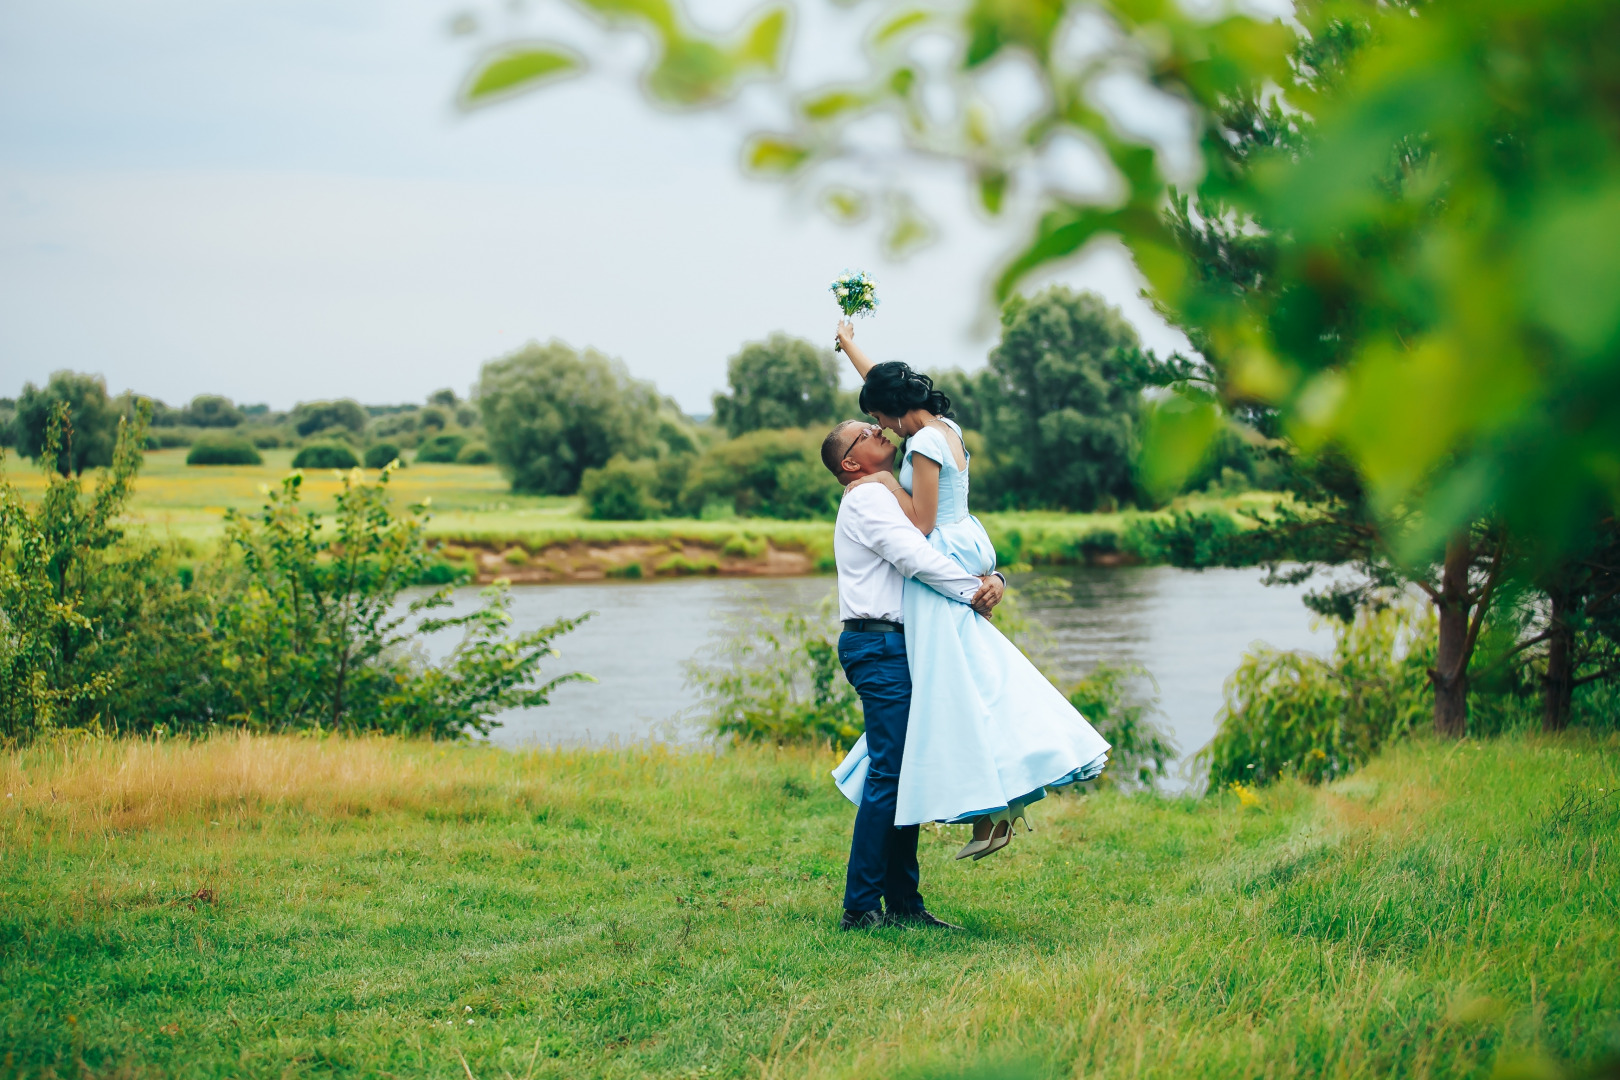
{"type": "Point", "coordinates": [472, 504]}
{"type": "Point", "coordinates": [251, 907]}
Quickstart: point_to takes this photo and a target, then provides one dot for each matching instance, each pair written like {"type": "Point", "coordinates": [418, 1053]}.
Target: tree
{"type": "Point", "coordinates": [310, 417]}
{"type": "Point", "coordinates": [551, 413]}
{"type": "Point", "coordinates": [780, 382]}
{"type": "Point", "coordinates": [92, 427]}
{"type": "Point", "coordinates": [211, 410]}
{"type": "Point", "coordinates": [1063, 401]}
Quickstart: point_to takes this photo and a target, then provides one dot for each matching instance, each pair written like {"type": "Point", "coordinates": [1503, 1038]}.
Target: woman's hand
{"type": "Point", "coordinates": [884, 478]}
{"type": "Point", "coordinates": [846, 342]}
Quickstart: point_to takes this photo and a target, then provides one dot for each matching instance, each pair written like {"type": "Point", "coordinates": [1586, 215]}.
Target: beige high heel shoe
{"type": "Point", "coordinates": [1001, 833]}
{"type": "Point", "coordinates": [974, 847]}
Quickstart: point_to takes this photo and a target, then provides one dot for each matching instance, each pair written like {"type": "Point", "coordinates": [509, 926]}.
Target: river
{"type": "Point", "coordinates": [1187, 629]}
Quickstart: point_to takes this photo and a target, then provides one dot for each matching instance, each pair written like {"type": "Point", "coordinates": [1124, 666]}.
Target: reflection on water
{"type": "Point", "coordinates": [1188, 629]}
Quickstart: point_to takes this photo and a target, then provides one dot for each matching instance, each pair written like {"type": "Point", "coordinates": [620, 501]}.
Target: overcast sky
{"type": "Point", "coordinates": [275, 200]}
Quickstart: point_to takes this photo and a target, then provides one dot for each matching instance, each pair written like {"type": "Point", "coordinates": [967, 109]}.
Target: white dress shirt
{"type": "Point", "coordinates": [877, 548]}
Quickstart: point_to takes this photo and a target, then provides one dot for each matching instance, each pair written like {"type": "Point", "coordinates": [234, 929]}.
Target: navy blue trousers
{"type": "Point", "coordinates": [882, 858]}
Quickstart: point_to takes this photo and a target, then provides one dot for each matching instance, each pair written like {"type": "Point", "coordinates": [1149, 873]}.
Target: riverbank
{"type": "Point", "coordinates": [273, 906]}
{"type": "Point", "coordinates": [480, 526]}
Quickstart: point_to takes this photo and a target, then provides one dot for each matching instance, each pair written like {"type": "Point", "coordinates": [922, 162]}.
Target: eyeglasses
{"type": "Point", "coordinates": [866, 432]}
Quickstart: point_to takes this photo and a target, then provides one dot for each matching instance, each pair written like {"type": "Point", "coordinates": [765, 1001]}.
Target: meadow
{"type": "Point", "coordinates": [473, 505]}
{"type": "Point", "coordinates": [253, 906]}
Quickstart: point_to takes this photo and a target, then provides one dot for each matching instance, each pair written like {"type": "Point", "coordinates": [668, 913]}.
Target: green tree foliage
{"type": "Point", "coordinates": [334, 455]}
{"type": "Point", "coordinates": [551, 413]}
{"type": "Point", "coordinates": [775, 677]}
{"type": "Point", "coordinates": [781, 382]}
{"type": "Point", "coordinates": [764, 474]}
{"type": "Point", "coordinates": [380, 455]}
{"type": "Point", "coordinates": [333, 417]}
{"type": "Point", "coordinates": [475, 453]}
{"type": "Point", "coordinates": [211, 410]}
{"type": "Point", "coordinates": [624, 490]}
{"type": "Point", "coordinates": [1060, 403]}
{"type": "Point", "coordinates": [316, 634]}
{"type": "Point", "coordinates": [1292, 713]}
{"type": "Point", "coordinates": [440, 449]}
{"type": "Point", "coordinates": [50, 555]}
{"type": "Point", "coordinates": [93, 418]}
{"type": "Point", "coordinates": [223, 450]}
{"type": "Point", "coordinates": [1138, 751]}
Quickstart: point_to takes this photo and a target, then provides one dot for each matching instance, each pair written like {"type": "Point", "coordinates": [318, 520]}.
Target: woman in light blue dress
{"type": "Point", "coordinates": [988, 734]}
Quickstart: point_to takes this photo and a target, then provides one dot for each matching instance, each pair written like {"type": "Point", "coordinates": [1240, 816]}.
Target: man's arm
{"type": "Point", "coordinates": [885, 529]}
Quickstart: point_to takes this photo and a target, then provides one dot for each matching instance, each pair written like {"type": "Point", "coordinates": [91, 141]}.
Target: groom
{"type": "Point", "coordinates": [877, 547]}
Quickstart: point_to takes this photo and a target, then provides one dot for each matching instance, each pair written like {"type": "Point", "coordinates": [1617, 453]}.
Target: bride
{"type": "Point", "coordinates": [988, 734]}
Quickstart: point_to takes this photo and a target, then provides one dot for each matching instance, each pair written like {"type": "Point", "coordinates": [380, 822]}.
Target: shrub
{"type": "Point", "coordinates": [312, 417]}
{"type": "Point", "coordinates": [474, 453]}
{"type": "Point", "coordinates": [622, 490]}
{"type": "Point", "coordinates": [775, 677]}
{"type": "Point", "coordinates": [52, 550]}
{"type": "Point", "coordinates": [1294, 714]}
{"type": "Point", "coordinates": [217, 450]}
{"type": "Point", "coordinates": [379, 455]}
{"type": "Point", "coordinates": [1139, 752]}
{"type": "Point", "coordinates": [765, 474]}
{"type": "Point", "coordinates": [318, 635]}
{"type": "Point", "coordinates": [325, 456]}
{"type": "Point", "coordinates": [441, 449]}
{"type": "Point", "coordinates": [1194, 539]}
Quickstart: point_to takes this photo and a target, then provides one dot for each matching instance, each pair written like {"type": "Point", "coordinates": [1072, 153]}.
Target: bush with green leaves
{"type": "Point", "coordinates": [381, 454]}
{"type": "Point", "coordinates": [314, 417]}
{"type": "Point", "coordinates": [1296, 714]}
{"type": "Point", "coordinates": [475, 453]}
{"type": "Point", "coordinates": [775, 474]}
{"type": "Point", "coordinates": [223, 450]}
{"type": "Point", "coordinates": [775, 677]}
{"type": "Point", "coordinates": [440, 449]}
{"type": "Point", "coordinates": [1196, 539]}
{"type": "Point", "coordinates": [623, 490]}
{"type": "Point", "coordinates": [325, 456]}
{"type": "Point", "coordinates": [317, 633]}
{"type": "Point", "coordinates": [1111, 699]}
{"type": "Point", "coordinates": [97, 630]}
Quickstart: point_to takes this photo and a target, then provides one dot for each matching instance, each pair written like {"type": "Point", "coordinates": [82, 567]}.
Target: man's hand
{"type": "Point", "coordinates": [988, 596]}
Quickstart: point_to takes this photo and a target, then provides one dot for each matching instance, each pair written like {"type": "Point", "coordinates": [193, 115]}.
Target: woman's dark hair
{"type": "Point", "coordinates": [893, 389]}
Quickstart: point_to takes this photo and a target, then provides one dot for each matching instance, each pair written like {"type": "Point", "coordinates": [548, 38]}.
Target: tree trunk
{"type": "Point", "coordinates": [1559, 684]}
{"type": "Point", "coordinates": [1450, 675]}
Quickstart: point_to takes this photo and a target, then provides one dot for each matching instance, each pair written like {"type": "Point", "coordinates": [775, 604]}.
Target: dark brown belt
{"type": "Point", "coordinates": [872, 626]}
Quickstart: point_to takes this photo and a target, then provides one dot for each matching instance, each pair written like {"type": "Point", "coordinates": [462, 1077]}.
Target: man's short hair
{"type": "Point", "coordinates": [831, 445]}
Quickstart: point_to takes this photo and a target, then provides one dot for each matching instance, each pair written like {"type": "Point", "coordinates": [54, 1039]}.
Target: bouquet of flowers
{"type": "Point", "coordinates": [856, 295]}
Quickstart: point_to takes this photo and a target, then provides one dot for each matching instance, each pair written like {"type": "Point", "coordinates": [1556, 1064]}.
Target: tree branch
{"type": "Point", "coordinates": [1482, 605]}
{"type": "Point", "coordinates": [1596, 675]}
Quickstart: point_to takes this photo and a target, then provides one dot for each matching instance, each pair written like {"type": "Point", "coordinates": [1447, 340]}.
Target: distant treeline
{"type": "Point", "coordinates": [1054, 422]}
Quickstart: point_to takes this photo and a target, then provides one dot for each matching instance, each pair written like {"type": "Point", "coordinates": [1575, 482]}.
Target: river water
{"type": "Point", "coordinates": [1188, 629]}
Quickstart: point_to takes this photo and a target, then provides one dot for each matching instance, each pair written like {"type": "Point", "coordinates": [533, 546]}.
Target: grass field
{"type": "Point", "coordinates": [253, 907]}
{"type": "Point", "coordinates": [472, 504]}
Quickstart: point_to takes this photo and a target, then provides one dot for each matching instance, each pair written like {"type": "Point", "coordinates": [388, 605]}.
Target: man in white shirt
{"type": "Point", "coordinates": [877, 548]}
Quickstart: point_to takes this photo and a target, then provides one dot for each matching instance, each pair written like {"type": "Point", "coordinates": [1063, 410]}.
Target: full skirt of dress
{"type": "Point", "coordinates": [986, 728]}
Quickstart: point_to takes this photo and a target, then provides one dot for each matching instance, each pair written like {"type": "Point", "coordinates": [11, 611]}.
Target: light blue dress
{"type": "Point", "coordinates": [986, 727]}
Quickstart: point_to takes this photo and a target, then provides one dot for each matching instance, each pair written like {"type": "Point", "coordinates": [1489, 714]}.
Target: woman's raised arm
{"type": "Point", "coordinates": [846, 341]}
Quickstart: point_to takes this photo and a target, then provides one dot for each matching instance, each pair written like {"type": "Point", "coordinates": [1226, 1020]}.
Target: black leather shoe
{"type": "Point", "coordinates": [923, 918]}
{"type": "Point", "coordinates": [861, 920]}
